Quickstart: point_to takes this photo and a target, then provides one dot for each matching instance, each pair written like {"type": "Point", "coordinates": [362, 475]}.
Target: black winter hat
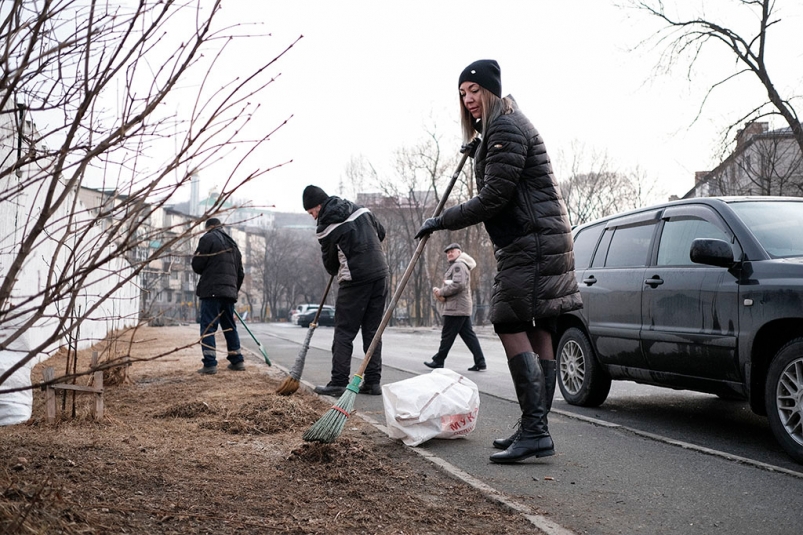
{"type": "Point", "coordinates": [313, 196]}
{"type": "Point", "coordinates": [452, 246]}
{"type": "Point", "coordinates": [486, 73]}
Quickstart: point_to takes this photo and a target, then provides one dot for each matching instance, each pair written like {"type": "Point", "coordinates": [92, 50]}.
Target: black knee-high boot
{"type": "Point", "coordinates": [534, 439]}
{"type": "Point", "coordinates": [549, 368]}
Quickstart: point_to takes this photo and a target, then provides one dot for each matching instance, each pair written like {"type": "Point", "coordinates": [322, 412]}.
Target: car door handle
{"type": "Point", "coordinates": [590, 280]}
{"type": "Point", "coordinates": [655, 281]}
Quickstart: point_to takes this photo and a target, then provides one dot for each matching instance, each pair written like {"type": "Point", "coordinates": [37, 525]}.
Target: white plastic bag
{"type": "Point", "coordinates": [440, 404]}
{"type": "Point", "coordinates": [15, 407]}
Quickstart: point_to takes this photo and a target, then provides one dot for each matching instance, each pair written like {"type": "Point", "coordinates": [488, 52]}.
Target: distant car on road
{"type": "Point", "coordinates": [302, 309]}
{"type": "Point", "coordinates": [327, 317]}
{"type": "Point", "coordinates": [701, 294]}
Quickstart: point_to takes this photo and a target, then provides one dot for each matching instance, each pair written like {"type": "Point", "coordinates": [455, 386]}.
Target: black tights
{"type": "Point", "coordinates": [538, 341]}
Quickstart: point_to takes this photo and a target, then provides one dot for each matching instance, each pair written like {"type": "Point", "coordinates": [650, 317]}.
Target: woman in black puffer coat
{"type": "Point", "coordinates": [520, 204]}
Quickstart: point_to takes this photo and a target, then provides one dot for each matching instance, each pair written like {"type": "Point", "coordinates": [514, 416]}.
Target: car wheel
{"type": "Point", "coordinates": [581, 379]}
{"type": "Point", "coordinates": [784, 398]}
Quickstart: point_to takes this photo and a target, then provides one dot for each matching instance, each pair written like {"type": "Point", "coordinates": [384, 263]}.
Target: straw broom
{"type": "Point", "coordinates": [290, 383]}
{"type": "Point", "coordinates": [331, 424]}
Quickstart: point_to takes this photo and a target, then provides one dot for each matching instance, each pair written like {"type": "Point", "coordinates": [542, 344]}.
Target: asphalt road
{"type": "Point", "coordinates": [648, 461]}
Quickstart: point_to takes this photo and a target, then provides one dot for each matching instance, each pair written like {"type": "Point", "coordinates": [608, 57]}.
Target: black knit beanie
{"type": "Point", "coordinates": [486, 73]}
{"type": "Point", "coordinates": [313, 196]}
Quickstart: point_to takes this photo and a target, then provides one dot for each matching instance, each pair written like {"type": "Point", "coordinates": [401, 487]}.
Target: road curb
{"type": "Point", "coordinates": [546, 526]}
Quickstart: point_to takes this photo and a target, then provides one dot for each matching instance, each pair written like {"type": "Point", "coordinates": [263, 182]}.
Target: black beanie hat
{"type": "Point", "coordinates": [313, 196]}
{"type": "Point", "coordinates": [486, 73]}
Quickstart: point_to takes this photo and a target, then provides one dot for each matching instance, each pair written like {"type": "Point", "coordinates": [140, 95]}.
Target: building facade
{"type": "Point", "coordinates": [764, 162]}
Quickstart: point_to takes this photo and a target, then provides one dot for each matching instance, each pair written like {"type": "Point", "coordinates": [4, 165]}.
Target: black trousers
{"type": "Point", "coordinates": [452, 326]}
{"type": "Point", "coordinates": [359, 307]}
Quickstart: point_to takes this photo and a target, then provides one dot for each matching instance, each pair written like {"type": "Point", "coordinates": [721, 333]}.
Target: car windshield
{"type": "Point", "coordinates": [776, 225]}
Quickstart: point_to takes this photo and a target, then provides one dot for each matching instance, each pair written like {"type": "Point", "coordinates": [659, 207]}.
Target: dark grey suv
{"type": "Point", "coordinates": [700, 294]}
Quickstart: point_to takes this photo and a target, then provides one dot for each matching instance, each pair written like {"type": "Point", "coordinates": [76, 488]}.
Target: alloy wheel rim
{"type": "Point", "coordinates": [789, 400]}
{"type": "Point", "coordinates": [572, 367]}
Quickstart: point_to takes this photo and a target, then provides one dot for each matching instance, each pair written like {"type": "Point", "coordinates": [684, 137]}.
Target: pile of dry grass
{"type": "Point", "coordinates": [181, 453]}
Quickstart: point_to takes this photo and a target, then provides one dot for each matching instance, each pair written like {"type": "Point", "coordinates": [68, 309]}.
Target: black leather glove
{"type": "Point", "coordinates": [471, 147]}
{"type": "Point", "coordinates": [430, 225]}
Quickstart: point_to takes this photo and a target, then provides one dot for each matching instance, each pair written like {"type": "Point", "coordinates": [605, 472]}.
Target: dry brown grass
{"type": "Point", "coordinates": [182, 453]}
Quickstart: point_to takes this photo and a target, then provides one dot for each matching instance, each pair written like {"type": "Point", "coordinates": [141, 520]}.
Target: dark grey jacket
{"type": "Point", "coordinates": [219, 263]}
{"type": "Point", "coordinates": [350, 239]}
{"type": "Point", "coordinates": [520, 203]}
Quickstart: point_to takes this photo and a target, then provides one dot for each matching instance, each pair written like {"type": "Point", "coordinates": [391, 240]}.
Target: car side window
{"type": "Point", "coordinates": [584, 244]}
{"type": "Point", "coordinates": [677, 236]}
{"type": "Point", "coordinates": [629, 246]}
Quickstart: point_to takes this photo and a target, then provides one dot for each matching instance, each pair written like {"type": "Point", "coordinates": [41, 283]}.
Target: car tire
{"type": "Point", "coordinates": [784, 398]}
{"type": "Point", "coordinates": [581, 379]}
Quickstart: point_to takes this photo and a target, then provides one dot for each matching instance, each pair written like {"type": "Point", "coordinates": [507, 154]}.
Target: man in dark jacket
{"type": "Point", "coordinates": [219, 263]}
{"type": "Point", "coordinates": [350, 238]}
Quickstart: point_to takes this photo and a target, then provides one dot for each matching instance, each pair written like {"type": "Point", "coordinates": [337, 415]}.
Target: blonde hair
{"type": "Point", "coordinates": [492, 107]}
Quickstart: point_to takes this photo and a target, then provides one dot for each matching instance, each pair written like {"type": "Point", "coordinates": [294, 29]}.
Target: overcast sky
{"type": "Point", "coordinates": [368, 75]}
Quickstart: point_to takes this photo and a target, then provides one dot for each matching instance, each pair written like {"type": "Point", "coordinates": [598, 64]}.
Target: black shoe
{"type": "Point", "coordinates": [328, 390]}
{"type": "Point", "coordinates": [371, 390]}
{"type": "Point", "coordinates": [524, 448]}
{"type": "Point", "coordinates": [208, 370]}
{"type": "Point", "coordinates": [433, 364]}
{"type": "Point", "coordinates": [477, 368]}
{"type": "Point", "coordinates": [236, 366]}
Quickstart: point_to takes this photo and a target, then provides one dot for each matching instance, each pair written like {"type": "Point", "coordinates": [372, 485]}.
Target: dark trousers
{"type": "Point", "coordinates": [452, 326]}
{"type": "Point", "coordinates": [216, 312]}
{"type": "Point", "coordinates": [359, 307]}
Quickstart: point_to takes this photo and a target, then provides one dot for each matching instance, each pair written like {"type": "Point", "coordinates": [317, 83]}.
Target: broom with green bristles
{"type": "Point", "coordinates": [331, 424]}
{"type": "Point", "coordinates": [291, 382]}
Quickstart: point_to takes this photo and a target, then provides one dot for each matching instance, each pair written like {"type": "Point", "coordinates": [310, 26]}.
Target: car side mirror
{"type": "Point", "coordinates": [711, 252]}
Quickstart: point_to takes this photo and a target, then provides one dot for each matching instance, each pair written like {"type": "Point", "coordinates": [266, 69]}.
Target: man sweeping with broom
{"type": "Point", "coordinates": [350, 238]}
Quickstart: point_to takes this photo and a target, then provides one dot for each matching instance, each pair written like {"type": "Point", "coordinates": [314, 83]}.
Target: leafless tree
{"type": "Point", "coordinates": [413, 191]}
{"type": "Point", "coordinates": [291, 270]}
{"type": "Point", "coordinates": [686, 38]}
{"type": "Point", "coordinates": [83, 91]}
{"type": "Point", "coordinates": [407, 195]}
{"type": "Point", "coordinates": [594, 188]}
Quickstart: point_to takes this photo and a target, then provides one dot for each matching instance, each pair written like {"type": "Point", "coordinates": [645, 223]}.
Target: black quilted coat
{"type": "Point", "coordinates": [520, 203]}
{"type": "Point", "coordinates": [219, 263]}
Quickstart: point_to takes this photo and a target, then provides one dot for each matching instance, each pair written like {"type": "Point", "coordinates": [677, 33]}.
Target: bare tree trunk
{"type": "Point", "coordinates": [686, 38]}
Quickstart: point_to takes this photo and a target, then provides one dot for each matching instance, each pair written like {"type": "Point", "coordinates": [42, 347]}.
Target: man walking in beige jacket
{"type": "Point", "coordinates": [456, 296]}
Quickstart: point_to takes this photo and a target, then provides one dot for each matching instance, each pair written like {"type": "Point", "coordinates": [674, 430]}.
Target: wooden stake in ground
{"type": "Point", "coordinates": [291, 382]}
{"type": "Point", "coordinates": [331, 424]}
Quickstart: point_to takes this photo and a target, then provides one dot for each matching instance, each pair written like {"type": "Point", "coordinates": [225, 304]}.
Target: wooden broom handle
{"type": "Point", "coordinates": [323, 299]}
{"type": "Point", "coordinates": [409, 271]}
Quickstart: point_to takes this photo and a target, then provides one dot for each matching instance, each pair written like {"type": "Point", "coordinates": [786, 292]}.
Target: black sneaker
{"type": "Point", "coordinates": [433, 364]}
{"type": "Point", "coordinates": [208, 370]}
{"type": "Point", "coordinates": [328, 390]}
{"type": "Point", "coordinates": [236, 366]}
{"type": "Point", "coordinates": [371, 390]}
{"type": "Point", "coordinates": [477, 368]}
